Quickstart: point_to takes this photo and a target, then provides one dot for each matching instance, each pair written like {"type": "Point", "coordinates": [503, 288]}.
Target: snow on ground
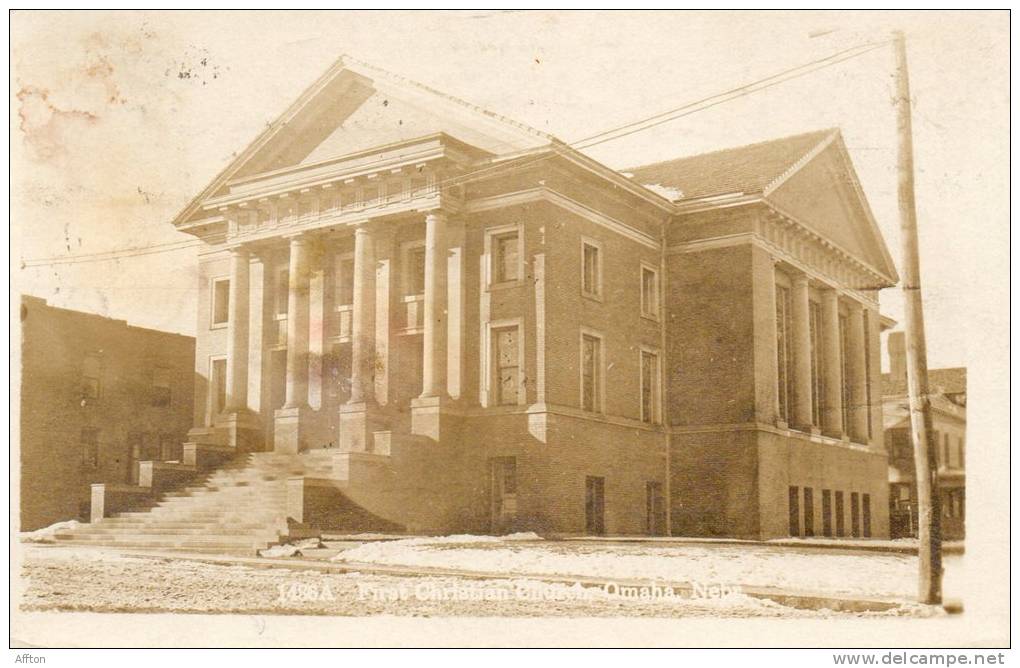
{"type": "Point", "coordinates": [61, 579]}
{"type": "Point", "coordinates": [48, 534]}
{"type": "Point", "coordinates": [790, 569]}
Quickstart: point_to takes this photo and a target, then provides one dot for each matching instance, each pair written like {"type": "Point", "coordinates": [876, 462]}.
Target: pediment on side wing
{"type": "Point", "coordinates": [824, 195]}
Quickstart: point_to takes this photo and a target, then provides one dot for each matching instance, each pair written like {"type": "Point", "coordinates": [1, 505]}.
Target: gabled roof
{"type": "Point", "coordinates": [509, 135]}
{"type": "Point", "coordinates": [952, 380]}
{"type": "Point", "coordinates": [744, 169]}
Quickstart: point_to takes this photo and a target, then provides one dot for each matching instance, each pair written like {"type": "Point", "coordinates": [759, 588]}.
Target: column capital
{"type": "Point", "coordinates": [298, 238]}
{"type": "Point", "coordinates": [439, 215]}
{"type": "Point", "coordinates": [799, 278]}
{"type": "Point", "coordinates": [854, 306]}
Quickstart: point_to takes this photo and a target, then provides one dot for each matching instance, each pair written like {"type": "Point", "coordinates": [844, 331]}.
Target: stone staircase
{"type": "Point", "coordinates": [240, 507]}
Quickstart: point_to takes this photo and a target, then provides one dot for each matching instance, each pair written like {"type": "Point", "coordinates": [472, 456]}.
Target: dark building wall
{"type": "Point", "coordinates": [55, 473]}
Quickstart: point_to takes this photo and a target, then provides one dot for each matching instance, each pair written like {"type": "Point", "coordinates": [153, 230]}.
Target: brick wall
{"type": "Point", "coordinates": [55, 341]}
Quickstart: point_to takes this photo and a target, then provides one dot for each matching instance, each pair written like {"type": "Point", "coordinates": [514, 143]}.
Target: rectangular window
{"type": "Point", "coordinates": [591, 269]}
{"type": "Point", "coordinates": [855, 514]}
{"type": "Point", "coordinates": [506, 258]}
{"type": "Point", "coordinates": [840, 516]}
{"type": "Point", "coordinates": [655, 509]}
{"type": "Point", "coordinates": [866, 510]}
{"type": "Point", "coordinates": [814, 325]}
{"type": "Point", "coordinates": [343, 280]}
{"type": "Point", "coordinates": [591, 373]}
{"type": "Point", "coordinates": [281, 290]}
{"type": "Point", "coordinates": [809, 512]}
{"type": "Point", "coordinates": [161, 387]}
{"type": "Point", "coordinates": [794, 511]}
{"type": "Point", "coordinates": [90, 448]}
{"type": "Point", "coordinates": [783, 332]}
{"type": "Point", "coordinates": [219, 386]}
{"type": "Point", "coordinates": [649, 387]}
{"type": "Point", "coordinates": [416, 271]}
{"type": "Point", "coordinates": [899, 441]}
{"type": "Point", "coordinates": [91, 376]}
{"type": "Point", "coordinates": [220, 301]}
{"type": "Point", "coordinates": [844, 359]}
{"type": "Point", "coordinates": [649, 292]}
{"type": "Point", "coordinates": [594, 505]}
{"type": "Point", "coordinates": [827, 513]}
{"type": "Point", "coordinates": [508, 365]}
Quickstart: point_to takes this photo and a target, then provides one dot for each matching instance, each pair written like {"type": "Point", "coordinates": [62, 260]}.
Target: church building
{"type": "Point", "coordinates": [484, 330]}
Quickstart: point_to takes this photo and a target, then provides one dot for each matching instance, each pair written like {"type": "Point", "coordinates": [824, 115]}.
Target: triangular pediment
{"type": "Point", "coordinates": [354, 108]}
{"type": "Point", "coordinates": [823, 194]}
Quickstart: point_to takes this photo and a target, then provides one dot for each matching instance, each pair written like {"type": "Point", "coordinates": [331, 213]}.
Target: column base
{"type": "Point", "coordinates": [807, 429]}
{"type": "Point", "coordinates": [358, 423]}
{"type": "Point", "coordinates": [838, 435]}
{"type": "Point", "coordinates": [243, 431]}
{"type": "Point", "coordinates": [290, 429]}
{"type": "Point", "coordinates": [435, 418]}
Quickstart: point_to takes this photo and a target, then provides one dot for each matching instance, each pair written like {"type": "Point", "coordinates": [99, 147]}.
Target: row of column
{"type": "Point", "coordinates": [363, 325]}
{"type": "Point", "coordinates": [831, 361]}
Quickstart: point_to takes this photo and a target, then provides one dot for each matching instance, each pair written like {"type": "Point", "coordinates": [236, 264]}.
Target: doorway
{"type": "Point", "coordinates": [655, 509]}
{"type": "Point", "coordinates": [503, 504]}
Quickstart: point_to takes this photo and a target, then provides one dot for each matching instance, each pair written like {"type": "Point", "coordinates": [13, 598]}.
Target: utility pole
{"type": "Point", "coordinates": [929, 551]}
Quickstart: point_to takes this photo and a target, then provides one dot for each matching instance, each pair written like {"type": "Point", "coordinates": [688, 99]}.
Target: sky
{"type": "Point", "coordinates": [119, 119]}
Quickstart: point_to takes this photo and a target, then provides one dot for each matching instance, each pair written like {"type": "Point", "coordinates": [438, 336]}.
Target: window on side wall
{"type": "Point", "coordinates": [220, 302]}
{"type": "Point", "coordinates": [649, 387]}
{"type": "Point", "coordinates": [506, 352]}
{"type": "Point", "coordinates": [90, 448]}
{"type": "Point", "coordinates": [91, 376]}
{"type": "Point", "coordinates": [506, 257]}
{"type": "Point", "coordinates": [591, 373]}
{"type": "Point", "coordinates": [649, 292]}
{"type": "Point", "coordinates": [591, 269]}
{"type": "Point", "coordinates": [161, 394]}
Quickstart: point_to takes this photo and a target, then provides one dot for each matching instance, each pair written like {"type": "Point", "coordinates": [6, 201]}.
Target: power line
{"type": "Point", "coordinates": [685, 110]}
{"type": "Point", "coordinates": [111, 255]}
{"type": "Point", "coordinates": [587, 142]}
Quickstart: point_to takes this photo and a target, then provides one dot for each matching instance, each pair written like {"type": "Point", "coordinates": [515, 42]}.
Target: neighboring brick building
{"type": "Point", "coordinates": [502, 333]}
{"type": "Point", "coordinates": [97, 396]}
{"type": "Point", "coordinates": [948, 390]}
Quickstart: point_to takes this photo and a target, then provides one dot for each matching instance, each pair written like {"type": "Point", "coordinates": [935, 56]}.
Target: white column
{"type": "Point", "coordinates": [859, 408]}
{"type": "Point", "coordinates": [832, 372]}
{"type": "Point", "coordinates": [237, 339]}
{"type": "Point", "coordinates": [800, 347]}
{"type": "Point", "coordinates": [434, 381]}
{"type": "Point", "coordinates": [297, 325]}
{"type": "Point", "coordinates": [382, 244]}
{"type": "Point", "coordinates": [363, 320]}
{"type": "Point", "coordinates": [455, 295]}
